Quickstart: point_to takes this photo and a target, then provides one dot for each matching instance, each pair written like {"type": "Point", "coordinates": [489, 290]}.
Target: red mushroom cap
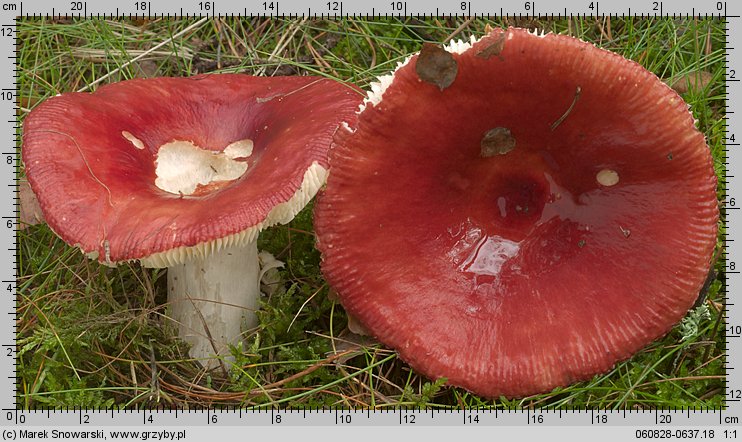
{"type": "Point", "coordinates": [548, 213]}
{"type": "Point", "coordinates": [92, 160]}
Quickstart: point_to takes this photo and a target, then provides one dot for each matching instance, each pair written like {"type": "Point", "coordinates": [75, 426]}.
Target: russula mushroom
{"type": "Point", "coordinates": [183, 173]}
{"type": "Point", "coordinates": [478, 225]}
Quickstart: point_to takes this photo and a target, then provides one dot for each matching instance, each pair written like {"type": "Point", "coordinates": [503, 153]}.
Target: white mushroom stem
{"type": "Point", "coordinates": [213, 300]}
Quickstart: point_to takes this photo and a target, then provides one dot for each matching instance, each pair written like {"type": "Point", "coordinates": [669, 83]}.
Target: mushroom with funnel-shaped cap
{"type": "Point", "coordinates": [534, 209]}
{"type": "Point", "coordinates": [184, 173]}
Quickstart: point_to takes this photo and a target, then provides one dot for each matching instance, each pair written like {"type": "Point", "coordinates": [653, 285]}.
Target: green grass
{"type": "Point", "coordinates": [95, 336]}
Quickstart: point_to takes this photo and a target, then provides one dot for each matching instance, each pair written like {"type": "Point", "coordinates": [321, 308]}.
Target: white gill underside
{"type": "Point", "coordinates": [314, 178]}
{"type": "Point", "coordinates": [182, 166]}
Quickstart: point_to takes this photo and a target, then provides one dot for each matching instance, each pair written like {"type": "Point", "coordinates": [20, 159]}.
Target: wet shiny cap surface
{"type": "Point", "coordinates": [544, 216]}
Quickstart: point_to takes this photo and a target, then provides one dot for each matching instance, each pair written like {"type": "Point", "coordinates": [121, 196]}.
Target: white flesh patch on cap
{"type": "Point", "coordinates": [239, 149]}
{"type": "Point", "coordinates": [133, 140]}
{"type": "Point", "coordinates": [314, 179]}
{"type": "Point", "coordinates": [607, 177]}
{"type": "Point", "coordinates": [347, 127]}
{"type": "Point", "coordinates": [182, 166]}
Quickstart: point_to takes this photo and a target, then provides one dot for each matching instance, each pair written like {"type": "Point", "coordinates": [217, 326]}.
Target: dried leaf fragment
{"type": "Point", "coordinates": [497, 141]}
{"type": "Point", "coordinates": [30, 209]}
{"type": "Point", "coordinates": [494, 48]}
{"type": "Point", "coordinates": [436, 65]}
{"type": "Point", "coordinates": [694, 81]}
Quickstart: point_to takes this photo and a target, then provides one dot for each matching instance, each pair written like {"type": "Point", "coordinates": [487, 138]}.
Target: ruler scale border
{"type": "Point", "coordinates": [272, 416]}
